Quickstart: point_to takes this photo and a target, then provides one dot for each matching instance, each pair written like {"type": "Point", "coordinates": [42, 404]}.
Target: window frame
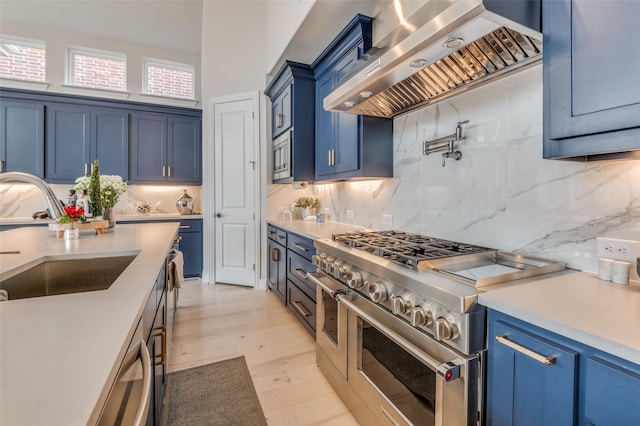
{"type": "Point", "coordinates": [172, 65]}
{"type": "Point", "coordinates": [27, 42]}
{"type": "Point", "coordinates": [72, 51]}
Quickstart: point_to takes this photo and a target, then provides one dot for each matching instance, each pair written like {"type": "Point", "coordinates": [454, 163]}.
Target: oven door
{"type": "Point", "coordinates": [331, 321]}
{"type": "Point", "coordinates": [407, 377]}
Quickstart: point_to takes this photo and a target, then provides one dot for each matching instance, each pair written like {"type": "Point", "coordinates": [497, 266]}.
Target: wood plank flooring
{"type": "Point", "coordinates": [216, 322]}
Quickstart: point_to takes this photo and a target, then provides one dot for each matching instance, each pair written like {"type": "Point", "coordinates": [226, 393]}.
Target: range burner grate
{"type": "Point", "coordinates": [405, 248]}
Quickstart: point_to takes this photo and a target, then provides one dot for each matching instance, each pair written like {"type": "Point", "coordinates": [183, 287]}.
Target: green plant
{"type": "Point", "coordinates": [309, 201]}
{"type": "Point", "coordinates": [94, 190]}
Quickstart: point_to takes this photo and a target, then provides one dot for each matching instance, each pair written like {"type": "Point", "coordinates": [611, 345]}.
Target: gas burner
{"type": "Point", "coordinates": [405, 248]}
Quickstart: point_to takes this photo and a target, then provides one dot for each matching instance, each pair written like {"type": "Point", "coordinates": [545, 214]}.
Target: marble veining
{"type": "Point", "coordinates": [501, 193]}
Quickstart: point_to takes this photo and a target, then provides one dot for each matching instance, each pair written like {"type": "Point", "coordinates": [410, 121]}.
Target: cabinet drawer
{"type": "Point", "coordinates": [303, 246]}
{"type": "Point", "coordinates": [302, 306]}
{"type": "Point", "coordinates": [298, 267]}
{"type": "Point", "coordinates": [190, 225]}
{"type": "Point", "coordinates": [272, 232]}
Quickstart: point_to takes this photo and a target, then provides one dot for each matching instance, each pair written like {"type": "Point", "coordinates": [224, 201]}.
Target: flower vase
{"type": "Point", "coordinates": [71, 234]}
{"type": "Point", "coordinates": [110, 216]}
{"type": "Point", "coordinates": [309, 211]}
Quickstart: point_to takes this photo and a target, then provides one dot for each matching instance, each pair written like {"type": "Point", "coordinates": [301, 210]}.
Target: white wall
{"type": "Point", "coordinates": [284, 18]}
{"type": "Point", "coordinates": [57, 42]}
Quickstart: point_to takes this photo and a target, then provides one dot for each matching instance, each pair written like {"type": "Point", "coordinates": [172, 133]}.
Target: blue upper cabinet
{"type": "Point", "coordinates": [292, 93]}
{"type": "Point", "coordinates": [77, 135]}
{"type": "Point", "coordinates": [349, 146]}
{"type": "Point", "coordinates": [22, 136]}
{"type": "Point", "coordinates": [165, 148]}
{"type": "Point", "coordinates": [591, 92]}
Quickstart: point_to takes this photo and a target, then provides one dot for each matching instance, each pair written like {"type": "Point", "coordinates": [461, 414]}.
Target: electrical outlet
{"type": "Point", "coordinates": [349, 214]}
{"type": "Point", "coordinates": [612, 248]}
{"type": "Point", "coordinates": [387, 219]}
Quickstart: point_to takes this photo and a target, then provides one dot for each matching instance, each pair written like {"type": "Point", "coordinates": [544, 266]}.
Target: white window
{"type": "Point", "coordinates": [170, 79]}
{"type": "Point", "coordinates": [22, 59]}
{"type": "Point", "coordinates": [96, 69]}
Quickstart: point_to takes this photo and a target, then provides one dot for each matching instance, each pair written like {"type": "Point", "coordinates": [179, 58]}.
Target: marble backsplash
{"type": "Point", "coordinates": [502, 193]}
{"type": "Point", "coordinates": [22, 200]}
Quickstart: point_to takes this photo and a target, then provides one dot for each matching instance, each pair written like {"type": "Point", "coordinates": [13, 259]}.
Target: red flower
{"type": "Point", "coordinates": [74, 213]}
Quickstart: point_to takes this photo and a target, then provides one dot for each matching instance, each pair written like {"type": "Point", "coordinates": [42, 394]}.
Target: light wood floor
{"type": "Point", "coordinates": [216, 322]}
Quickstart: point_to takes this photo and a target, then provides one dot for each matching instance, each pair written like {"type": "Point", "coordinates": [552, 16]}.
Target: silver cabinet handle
{"type": "Point", "coordinates": [169, 171]}
{"type": "Point", "coordinates": [299, 272]}
{"type": "Point", "coordinates": [278, 120]}
{"type": "Point", "coordinates": [280, 237]}
{"type": "Point", "coordinates": [275, 255]}
{"type": "Point", "coordinates": [301, 309]}
{"type": "Point", "coordinates": [86, 168]}
{"type": "Point", "coordinates": [299, 247]}
{"type": "Point", "coordinates": [2, 167]}
{"type": "Point", "coordinates": [184, 227]}
{"type": "Point", "coordinates": [164, 170]}
{"type": "Point", "coordinates": [546, 360]}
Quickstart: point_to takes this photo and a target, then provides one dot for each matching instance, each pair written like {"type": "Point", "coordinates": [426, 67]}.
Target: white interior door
{"type": "Point", "coordinates": [235, 187]}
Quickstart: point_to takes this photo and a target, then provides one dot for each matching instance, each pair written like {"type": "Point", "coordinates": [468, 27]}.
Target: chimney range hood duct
{"type": "Point", "coordinates": [458, 45]}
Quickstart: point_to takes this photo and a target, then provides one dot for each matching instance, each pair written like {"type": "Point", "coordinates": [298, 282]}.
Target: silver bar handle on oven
{"type": "Point", "coordinates": [300, 309]}
{"type": "Point", "coordinates": [300, 247]}
{"type": "Point", "coordinates": [401, 341]}
{"type": "Point", "coordinates": [546, 360]}
{"type": "Point", "coordinates": [333, 292]}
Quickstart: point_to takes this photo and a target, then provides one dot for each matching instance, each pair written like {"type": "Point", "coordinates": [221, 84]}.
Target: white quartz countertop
{"type": "Point", "coordinates": [60, 354]}
{"type": "Point", "coordinates": [579, 306]}
{"type": "Point", "coordinates": [313, 229]}
{"type": "Point", "coordinates": [119, 217]}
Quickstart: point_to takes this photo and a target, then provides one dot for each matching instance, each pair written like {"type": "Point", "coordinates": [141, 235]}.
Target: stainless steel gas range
{"type": "Point", "coordinates": [399, 333]}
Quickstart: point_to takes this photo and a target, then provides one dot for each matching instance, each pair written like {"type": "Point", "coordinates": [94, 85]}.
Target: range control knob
{"type": "Point", "coordinates": [377, 292]}
{"type": "Point", "coordinates": [354, 279]}
{"type": "Point", "coordinates": [328, 268]}
{"type": "Point", "coordinates": [343, 271]}
{"type": "Point", "coordinates": [336, 267]}
{"type": "Point", "coordinates": [400, 305]}
{"type": "Point", "coordinates": [421, 316]}
{"type": "Point", "coordinates": [445, 329]}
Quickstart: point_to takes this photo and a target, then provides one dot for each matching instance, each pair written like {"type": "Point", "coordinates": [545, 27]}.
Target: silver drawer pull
{"type": "Point", "coordinates": [299, 247]}
{"type": "Point", "coordinates": [301, 309]}
{"type": "Point", "coordinates": [281, 236]}
{"type": "Point", "coordinates": [302, 274]}
{"type": "Point", "coordinates": [275, 255]}
{"type": "Point", "coordinates": [546, 360]}
{"type": "Point", "coordinates": [184, 227]}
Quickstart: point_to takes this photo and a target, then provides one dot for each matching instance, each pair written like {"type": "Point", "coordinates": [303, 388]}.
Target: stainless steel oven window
{"type": "Point", "coordinates": [408, 383]}
{"type": "Point", "coordinates": [330, 323]}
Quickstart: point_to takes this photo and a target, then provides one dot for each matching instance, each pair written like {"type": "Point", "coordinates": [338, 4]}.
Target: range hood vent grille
{"type": "Point", "coordinates": [496, 53]}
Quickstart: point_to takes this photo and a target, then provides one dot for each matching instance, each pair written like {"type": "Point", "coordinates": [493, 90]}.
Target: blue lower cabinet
{"type": "Point", "coordinates": [537, 377]}
{"type": "Point", "coordinates": [190, 233]}
{"type": "Point", "coordinates": [530, 380]}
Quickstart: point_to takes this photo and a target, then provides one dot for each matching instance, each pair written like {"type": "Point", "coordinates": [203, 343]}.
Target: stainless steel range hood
{"type": "Point", "coordinates": [459, 45]}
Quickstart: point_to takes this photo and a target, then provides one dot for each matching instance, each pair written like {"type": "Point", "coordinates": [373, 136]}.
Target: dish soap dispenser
{"type": "Point", "coordinates": [185, 204]}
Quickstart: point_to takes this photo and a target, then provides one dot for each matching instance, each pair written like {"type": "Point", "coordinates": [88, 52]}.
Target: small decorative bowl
{"type": "Point", "coordinates": [144, 207]}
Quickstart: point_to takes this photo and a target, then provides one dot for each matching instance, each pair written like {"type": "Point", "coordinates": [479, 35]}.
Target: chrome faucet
{"type": "Point", "coordinates": [446, 143]}
{"type": "Point", "coordinates": [55, 208]}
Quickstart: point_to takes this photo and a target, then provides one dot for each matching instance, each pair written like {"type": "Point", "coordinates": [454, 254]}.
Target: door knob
{"type": "Point", "coordinates": [218, 215]}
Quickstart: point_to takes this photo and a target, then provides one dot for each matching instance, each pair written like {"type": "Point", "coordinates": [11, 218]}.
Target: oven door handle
{"type": "Point", "coordinates": [449, 370]}
{"type": "Point", "coordinates": [335, 290]}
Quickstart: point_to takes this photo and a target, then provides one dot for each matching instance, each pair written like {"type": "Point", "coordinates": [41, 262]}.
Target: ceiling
{"type": "Point", "coordinates": [142, 22]}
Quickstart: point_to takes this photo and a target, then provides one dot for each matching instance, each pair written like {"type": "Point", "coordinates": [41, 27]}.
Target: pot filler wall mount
{"type": "Point", "coordinates": [456, 45]}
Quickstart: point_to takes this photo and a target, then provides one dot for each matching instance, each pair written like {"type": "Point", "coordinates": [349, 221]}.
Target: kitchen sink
{"type": "Point", "coordinates": [64, 276]}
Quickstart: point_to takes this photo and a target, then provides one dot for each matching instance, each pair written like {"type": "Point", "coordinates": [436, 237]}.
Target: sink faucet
{"type": "Point", "coordinates": [55, 208]}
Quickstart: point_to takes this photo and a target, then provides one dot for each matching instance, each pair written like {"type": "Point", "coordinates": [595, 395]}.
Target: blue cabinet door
{"type": "Point", "coordinates": [324, 127]}
{"type": "Point", "coordinates": [148, 149]}
{"type": "Point", "coordinates": [591, 99]}
{"type": "Point", "coordinates": [521, 389]}
{"type": "Point", "coordinates": [22, 137]}
{"type": "Point", "coordinates": [281, 112]}
{"type": "Point", "coordinates": [347, 146]}
{"type": "Point", "coordinates": [68, 142]}
{"type": "Point", "coordinates": [191, 248]}
{"type": "Point", "coordinates": [184, 150]}
{"type": "Point", "coordinates": [110, 140]}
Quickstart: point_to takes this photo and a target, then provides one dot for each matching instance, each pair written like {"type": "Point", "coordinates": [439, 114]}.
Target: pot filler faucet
{"type": "Point", "coordinates": [446, 144]}
{"type": "Point", "coordinates": [55, 209]}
